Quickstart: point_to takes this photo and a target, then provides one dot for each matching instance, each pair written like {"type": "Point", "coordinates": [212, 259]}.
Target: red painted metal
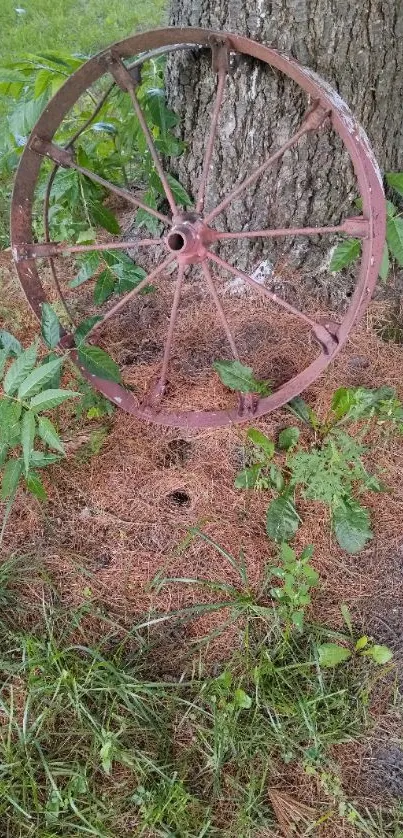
{"type": "Point", "coordinates": [189, 237]}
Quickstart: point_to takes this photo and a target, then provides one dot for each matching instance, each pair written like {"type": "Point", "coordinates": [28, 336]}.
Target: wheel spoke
{"type": "Point", "coordinates": [313, 120]}
{"type": "Point", "coordinates": [121, 303]}
{"type": "Point", "coordinates": [126, 82]}
{"type": "Point", "coordinates": [222, 75]}
{"type": "Point", "coordinates": [357, 226]}
{"type": "Point", "coordinates": [49, 249]}
{"type": "Point", "coordinates": [220, 310]}
{"type": "Point", "coordinates": [64, 158]}
{"type": "Point", "coordinates": [326, 339]}
{"type": "Point", "coordinates": [172, 321]}
{"type": "Point", "coordinates": [47, 238]}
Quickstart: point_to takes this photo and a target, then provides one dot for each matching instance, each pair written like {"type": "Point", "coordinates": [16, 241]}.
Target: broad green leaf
{"type": "Point", "coordinates": [282, 519]}
{"type": "Point", "coordinates": [43, 81]}
{"type": "Point", "coordinates": [288, 438]}
{"type": "Point", "coordinates": [3, 453]}
{"type": "Point", "coordinates": [39, 459]}
{"type": "Point", "coordinates": [311, 575]}
{"type": "Point", "coordinates": [343, 399]}
{"type": "Point", "coordinates": [155, 105]}
{"type": "Point", "coordinates": [394, 238]}
{"type": "Point", "coordinates": [10, 76]}
{"type": "Point", "coordinates": [331, 654]}
{"type": "Point", "coordinates": [262, 441]}
{"type": "Point", "coordinates": [11, 345]}
{"type": "Point", "coordinates": [288, 555]}
{"type": "Point", "coordinates": [27, 437]}
{"type": "Point", "coordinates": [53, 382]}
{"type": "Point", "coordinates": [49, 435]}
{"type": "Point", "coordinates": [395, 180]}
{"type": "Point", "coordinates": [379, 654]}
{"type": "Point", "coordinates": [297, 618]}
{"type": "Point", "coordinates": [143, 218]}
{"type": "Point", "coordinates": [3, 360]}
{"type": "Point", "coordinates": [129, 281]}
{"type": "Point", "coordinates": [35, 486]}
{"type": "Point", "coordinates": [302, 411]}
{"type": "Point", "coordinates": [40, 376]}
{"type": "Point", "coordinates": [10, 412]}
{"type": "Point", "coordinates": [181, 196]}
{"type": "Point", "coordinates": [24, 115]}
{"type": "Point", "coordinates": [391, 209]}
{"type": "Point", "coordinates": [351, 524]}
{"type": "Point", "coordinates": [385, 264]}
{"type": "Point", "coordinates": [236, 376]}
{"type": "Point", "coordinates": [11, 477]}
{"type": "Point", "coordinates": [345, 253]}
{"type": "Point", "coordinates": [242, 699]}
{"type": "Point", "coordinates": [126, 271]}
{"type": "Point", "coordinates": [276, 478]}
{"type": "Point", "coordinates": [345, 611]}
{"type": "Point", "coordinates": [246, 479]}
{"type": "Point", "coordinates": [104, 287]}
{"type": "Point", "coordinates": [86, 236]}
{"type": "Point", "coordinates": [361, 643]}
{"type": "Point", "coordinates": [89, 265]}
{"type": "Point", "coordinates": [98, 362]}
{"type": "Point", "coordinates": [19, 369]}
{"type": "Point", "coordinates": [106, 754]}
{"type": "Point", "coordinates": [179, 192]}
{"type": "Point", "coordinates": [84, 327]}
{"type": "Point", "coordinates": [103, 217]}
{"type": "Point", "coordinates": [50, 326]}
{"type": "Point", "coordinates": [357, 402]}
{"type": "Point", "coordinates": [51, 398]}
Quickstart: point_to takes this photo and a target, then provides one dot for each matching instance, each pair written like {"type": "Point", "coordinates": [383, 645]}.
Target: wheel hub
{"type": "Point", "coordinates": [189, 238]}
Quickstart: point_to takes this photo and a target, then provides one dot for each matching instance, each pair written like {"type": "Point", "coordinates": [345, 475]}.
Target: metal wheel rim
{"type": "Point", "coordinates": [354, 138]}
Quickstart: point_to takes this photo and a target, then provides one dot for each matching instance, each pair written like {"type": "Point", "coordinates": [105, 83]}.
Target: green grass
{"type": "Point", "coordinates": [78, 26]}
{"type": "Point", "coordinates": [93, 742]}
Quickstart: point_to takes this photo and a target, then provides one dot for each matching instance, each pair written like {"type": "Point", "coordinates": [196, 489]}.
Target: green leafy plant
{"type": "Point", "coordinates": [349, 250]}
{"type": "Point", "coordinates": [332, 654]}
{"type": "Point", "coordinates": [112, 146]}
{"type": "Point", "coordinates": [286, 602]}
{"type": "Point", "coordinates": [331, 467]}
{"type": "Point", "coordinates": [298, 577]}
{"type": "Point", "coordinates": [31, 389]}
{"type": "Point", "coordinates": [237, 376]}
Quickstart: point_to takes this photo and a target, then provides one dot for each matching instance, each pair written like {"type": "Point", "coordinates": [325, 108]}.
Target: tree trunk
{"type": "Point", "coordinates": [357, 46]}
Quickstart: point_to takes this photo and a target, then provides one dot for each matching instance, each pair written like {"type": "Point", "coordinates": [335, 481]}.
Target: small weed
{"type": "Point", "coordinates": [332, 470]}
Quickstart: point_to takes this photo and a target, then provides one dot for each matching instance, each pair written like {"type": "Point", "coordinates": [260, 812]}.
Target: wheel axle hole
{"type": "Point", "coordinates": [176, 241]}
{"type": "Point", "coordinates": [179, 498]}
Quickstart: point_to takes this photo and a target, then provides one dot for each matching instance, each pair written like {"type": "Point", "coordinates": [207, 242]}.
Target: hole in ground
{"type": "Point", "coordinates": [179, 498]}
{"type": "Point", "coordinates": [176, 453]}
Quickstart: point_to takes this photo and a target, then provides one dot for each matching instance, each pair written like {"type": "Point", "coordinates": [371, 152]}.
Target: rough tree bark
{"type": "Point", "coordinates": [356, 45]}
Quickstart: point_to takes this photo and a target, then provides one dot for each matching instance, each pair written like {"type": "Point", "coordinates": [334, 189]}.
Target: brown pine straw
{"type": "Point", "coordinates": [111, 523]}
{"type": "Point", "coordinates": [292, 815]}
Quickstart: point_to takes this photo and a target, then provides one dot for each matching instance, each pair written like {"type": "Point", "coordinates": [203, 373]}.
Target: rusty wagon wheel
{"type": "Point", "coordinates": [189, 237]}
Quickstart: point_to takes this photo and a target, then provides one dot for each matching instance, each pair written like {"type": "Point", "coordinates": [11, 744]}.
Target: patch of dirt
{"type": "Point", "coordinates": [383, 773]}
